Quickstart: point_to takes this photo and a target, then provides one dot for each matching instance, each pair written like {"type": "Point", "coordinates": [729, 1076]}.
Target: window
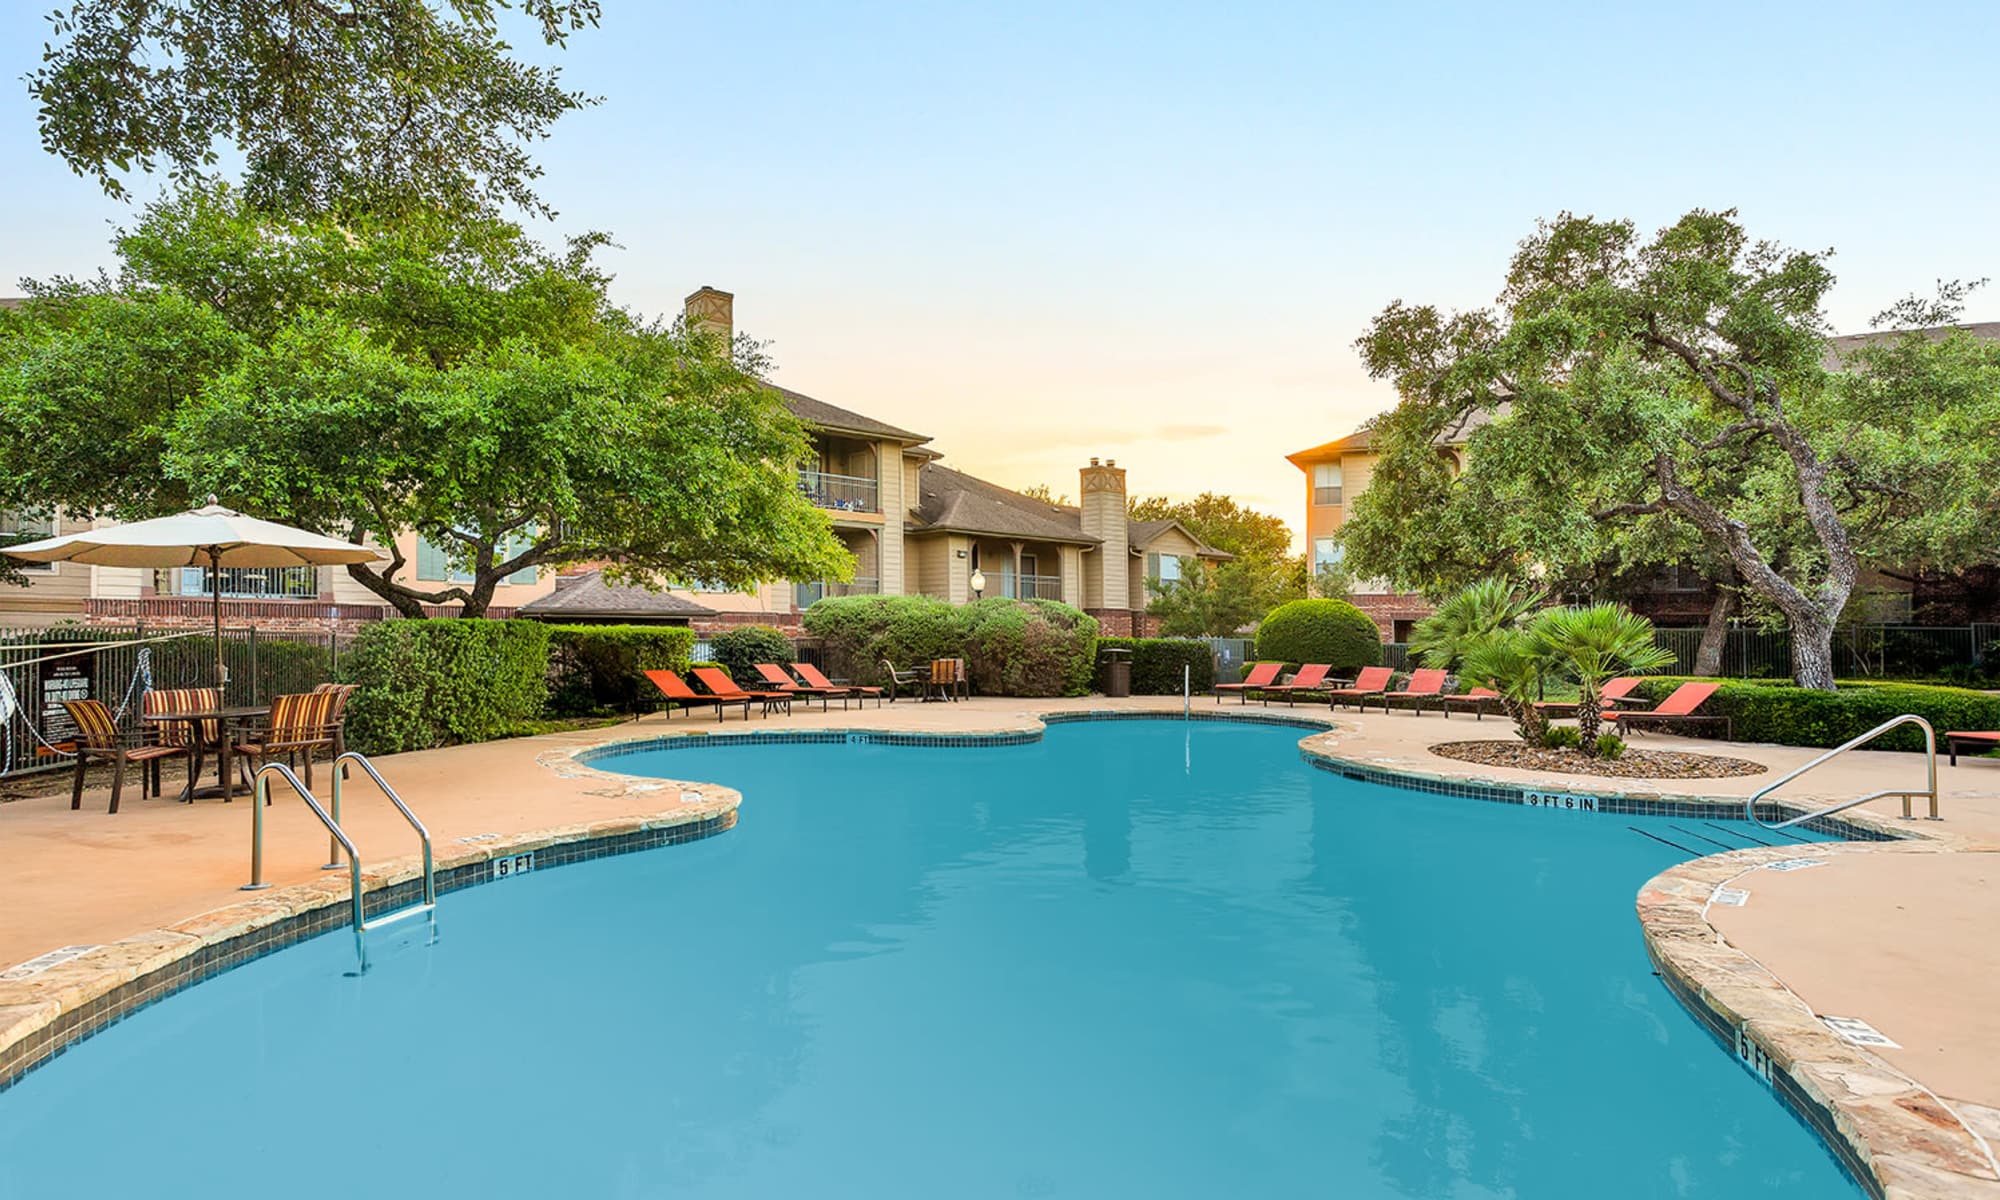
{"type": "Point", "coordinates": [254, 583]}
{"type": "Point", "coordinates": [1326, 484]}
{"type": "Point", "coordinates": [434, 567]}
{"type": "Point", "coordinates": [22, 525]}
{"type": "Point", "coordinates": [1163, 568]}
{"type": "Point", "coordinates": [1326, 552]}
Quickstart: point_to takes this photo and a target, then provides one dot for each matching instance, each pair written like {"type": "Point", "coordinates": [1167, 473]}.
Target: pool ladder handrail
{"type": "Point", "coordinates": [1930, 758]}
{"type": "Point", "coordinates": [339, 840]}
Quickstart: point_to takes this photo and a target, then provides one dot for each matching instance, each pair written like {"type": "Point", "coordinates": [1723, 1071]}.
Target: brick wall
{"type": "Point", "coordinates": [267, 616]}
{"type": "Point", "coordinates": [1387, 608]}
{"type": "Point", "coordinates": [1114, 622]}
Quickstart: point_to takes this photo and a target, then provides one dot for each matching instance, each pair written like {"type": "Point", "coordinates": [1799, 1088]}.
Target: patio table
{"type": "Point", "coordinates": [225, 718]}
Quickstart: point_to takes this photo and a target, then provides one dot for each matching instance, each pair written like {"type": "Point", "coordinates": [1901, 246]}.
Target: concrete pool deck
{"type": "Point", "coordinates": [1901, 940]}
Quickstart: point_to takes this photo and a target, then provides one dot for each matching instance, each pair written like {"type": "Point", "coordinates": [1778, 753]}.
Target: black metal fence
{"type": "Point", "coordinates": [40, 668]}
{"type": "Point", "coordinates": [1859, 651]}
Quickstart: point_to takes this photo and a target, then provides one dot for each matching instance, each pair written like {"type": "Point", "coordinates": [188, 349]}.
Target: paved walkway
{"type": "Point", "coordinates": [1905, 942]}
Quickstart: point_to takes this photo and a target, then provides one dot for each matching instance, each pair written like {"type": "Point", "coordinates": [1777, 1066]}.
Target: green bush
{"type": "Point", "coordinates": [740, 650]}
{"type": "Point", "coordinates": [442, 681]}
{"type": "Point", "coordinates": [1610, 746]}
{"type": "Point", "coordinates": [1028, 647]}
{"type": "Point", "coordinates": [593, 668]}
{"type": "Point", "coordinates": [860, 631]}
{"type": "Point", "coordinates": [1562, 737]}
{"type": "Point", "coordinates": [1333, 632]}
{"type": "Point", "coordinates": [1157, 663]}
{"type": "Point", "coordinates": [1785, 715]}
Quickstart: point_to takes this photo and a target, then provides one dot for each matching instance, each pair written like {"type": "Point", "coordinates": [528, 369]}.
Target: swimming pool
{"type": "Point", "coordinates": [1138, 958]}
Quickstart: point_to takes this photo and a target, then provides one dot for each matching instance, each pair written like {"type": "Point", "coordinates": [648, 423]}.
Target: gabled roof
{"type": "Point", "coordinates": [1362, 440]}
{"type": "Point", "coordinates": [590, 596]}
{"type": "Point", "coordinates": [835, 419]}
{"type": "Point", "coordinates": [1142, 534]}
{"type": "Point", "coordinates": [960, 503]}
{"type": "Point", "coordinates": [1839, 347]}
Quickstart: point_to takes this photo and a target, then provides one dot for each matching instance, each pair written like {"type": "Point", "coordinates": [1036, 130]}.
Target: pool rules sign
{"type": "Point", "coordinates": [57, 681]}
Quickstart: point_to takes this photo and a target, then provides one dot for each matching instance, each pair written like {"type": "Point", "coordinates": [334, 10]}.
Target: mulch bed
{"type": "Point", "coordinates": [1635, 764]}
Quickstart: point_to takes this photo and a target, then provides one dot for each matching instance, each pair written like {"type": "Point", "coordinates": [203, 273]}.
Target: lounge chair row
{"type": "Point", "coordinates": [775, 691]}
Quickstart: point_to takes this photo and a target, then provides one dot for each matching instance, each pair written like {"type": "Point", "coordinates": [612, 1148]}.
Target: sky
{"type": "Point", "coordinates": [1042, 232]}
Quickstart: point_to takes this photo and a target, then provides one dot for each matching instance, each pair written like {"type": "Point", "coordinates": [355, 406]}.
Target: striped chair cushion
{"type": "Point", "coordinates": [185, 700]}
{"type": "Point", "coordinates": [94, 726]}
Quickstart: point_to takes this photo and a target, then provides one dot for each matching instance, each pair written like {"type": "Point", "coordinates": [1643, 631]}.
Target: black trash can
{"type": "Point", "coordinates": [1117, 673]}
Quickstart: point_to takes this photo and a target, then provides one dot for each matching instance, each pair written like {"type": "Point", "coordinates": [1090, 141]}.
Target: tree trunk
{"type": "Point", "coordinates": [1715, 636]}
{"type": "Point", "coordinates": [1812, 653]}
{"type": "Point", "coordinates": [1588, 718]}
{"type": "Point", "coordinates": [405, 604]}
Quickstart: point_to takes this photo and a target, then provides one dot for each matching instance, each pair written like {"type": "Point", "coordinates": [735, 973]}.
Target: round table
{"type": "Point", "coordinates": [224, 718]}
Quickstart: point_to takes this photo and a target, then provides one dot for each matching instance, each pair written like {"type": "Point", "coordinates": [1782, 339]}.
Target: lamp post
{"type": "Point", "coordinates": [978, 582]}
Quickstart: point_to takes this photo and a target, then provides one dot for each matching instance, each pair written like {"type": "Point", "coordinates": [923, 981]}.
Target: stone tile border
{"type": "Point", "coordinates": [1897, 1138]}
{"type": "Point", "coordinates": [50, 1010]}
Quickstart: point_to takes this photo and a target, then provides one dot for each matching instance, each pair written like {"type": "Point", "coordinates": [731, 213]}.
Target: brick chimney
{"type": "Point", "coordinates": [711, 310]}
{"type": "Point", "coordinates": [1103, 510]}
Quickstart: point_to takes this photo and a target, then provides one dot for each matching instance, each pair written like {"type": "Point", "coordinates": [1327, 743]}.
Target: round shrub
{"type": "Point", "coordinates": [1333, 632]}
{"type": "Point", "coordinates": [1029, 647]}
{"type": "Point", "coordinates": [858, 632]}
{"type": "Point", "coordinates": [740, 650]}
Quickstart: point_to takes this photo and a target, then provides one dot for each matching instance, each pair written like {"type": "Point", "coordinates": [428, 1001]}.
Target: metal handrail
{"type": "Point", "coordinates": [333, 847]}
{"type": "Point", "coordinates": [1930, 757]}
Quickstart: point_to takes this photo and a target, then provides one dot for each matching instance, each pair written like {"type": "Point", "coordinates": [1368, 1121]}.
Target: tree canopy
{"type": "Point", "coordinates": [1220, 599]}
{"type": "Point", "coordinates": [333, 105]}
{"type": "Point", "coordinates": [451, 378]}
{"type": "Point", "coordinates": [1672, 399]}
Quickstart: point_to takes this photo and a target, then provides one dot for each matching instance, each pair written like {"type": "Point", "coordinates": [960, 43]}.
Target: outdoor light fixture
{"type": "Point", "coordinates": [978, 582]}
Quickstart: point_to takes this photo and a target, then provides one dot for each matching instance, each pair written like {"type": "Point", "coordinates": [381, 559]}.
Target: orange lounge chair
{"type": "Point", "coordinates": [1677, 709]}
{"type": "Point", "coordinates": [816, 679]}
{"type": "Point", "coordinates": [1617, 691]}
{"type": "Point", "coordinates": [725, 689]}
{"type": "Point", "coordinates": [777, 680]}
{"type": "Point", "coordinates": [678, 692]}
{"type": "Point", "coordinates": [1262, 675]}
{"type": "Point", "coordinates": [1478, 699]}
{"type": "Point", "coordinates": [1976, 741]}
{"type": "Point", "coordinates": [1425, 684]}
{"type": "Point", "coordinates": [1371, 682]}
{"type": "Point", "coordinates": [1311, 678]}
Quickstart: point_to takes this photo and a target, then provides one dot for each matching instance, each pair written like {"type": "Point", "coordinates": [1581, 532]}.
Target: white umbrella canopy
{"type": "Point", "coordinates": [210, 536]}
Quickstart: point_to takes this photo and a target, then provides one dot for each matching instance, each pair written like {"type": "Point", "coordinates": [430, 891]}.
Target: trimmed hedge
{"type": "Point", "coordinates": [1028, 647]}
{"type": "Point", "coordinates": [442, 681]}
{"type": "Point", "coordinates": [740, 650]}
{"type": "Point", "coordinates": [1785, 715]}
{"type": "Point", "coordinates": [597, 667]}
{"type": "Point", "coordinates": [860, 631]}
{"type": "Point", "coordinates": [1319, 631]}
{"type": "Point", "coordinates": [1157, 663]}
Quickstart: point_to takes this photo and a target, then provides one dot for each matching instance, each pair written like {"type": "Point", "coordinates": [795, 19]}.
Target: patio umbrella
{"type": "Point", "coordinates": [210, 536]}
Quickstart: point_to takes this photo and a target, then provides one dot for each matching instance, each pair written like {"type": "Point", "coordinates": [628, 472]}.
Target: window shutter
{"type": "Point", "coordinates": [1152, 566]}
{"type": "Point", "coordinates": [430, 560]}
{"type": "Point", "coordinates": [525, 575]}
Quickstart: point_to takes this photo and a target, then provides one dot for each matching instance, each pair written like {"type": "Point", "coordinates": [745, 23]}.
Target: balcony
{"type": "Point", "coordinates": [804, 594]}
{"type": "Point", "coordinates": [841, 493]}
{"type": "Point", "coordinates": [254, 583]}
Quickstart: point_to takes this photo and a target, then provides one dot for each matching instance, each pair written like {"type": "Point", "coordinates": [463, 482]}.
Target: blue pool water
{"type": "Point", "coordinates": [1138, 959]}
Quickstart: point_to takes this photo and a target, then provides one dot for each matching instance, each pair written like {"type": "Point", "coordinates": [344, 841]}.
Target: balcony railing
{"type": "Point", "coordinates": [842, 493]}
{"type": "Point", "coordinates": [804, 594]}
{"type": "Point", "coordinates": [254, 583]}
{"type": "Point", "coordinates": [1031, 587]}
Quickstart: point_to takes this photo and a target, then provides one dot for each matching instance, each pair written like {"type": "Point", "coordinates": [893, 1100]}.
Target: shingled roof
{"type": "Point", "coordinates": [835, 419]}
{"type": "Point", "coordinates": [952, 500]}
{"type": "Point", "coordinates": [590, 596]}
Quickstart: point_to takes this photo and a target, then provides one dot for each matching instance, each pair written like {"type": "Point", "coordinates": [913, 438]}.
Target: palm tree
{"type": "Point", "coordinates": [1512, 663]}
{"type": "Point", "coordinates": [1443, 638]}
{"type": "Point", "coordinates": [1591, 644]}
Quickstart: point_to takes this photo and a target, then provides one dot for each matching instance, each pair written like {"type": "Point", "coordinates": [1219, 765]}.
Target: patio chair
{"type": "Point", "coordinates": [1261, 676]}
{"type": "Point", "coordinates": [1618, 691]}
{"type": "Point", "coordinates": [1311, 679]}
{"type": "Point", "coordinates": [676, 691]}
{"type": "Point", "coordinates": [949, 679]}
{"type": "Point", "coordinates": [1372, 681]}
{"type": "Point", "coordinates": [98, 739]}
{"type": "Point", "coordinates": [1677, 709]}
{"type": "Point", "coordinates": [337, 716]}
{"type": "Point", "coordinates": [1478, 699]}
{"type": "Point", "coordinates": [201, 737]}
{"type": "Point", "coordinates": [776, 679]}
{"type": "Point", "coordinates": [1425, 684]}
{"type": "Point", "coordinates": [725, 689]}
{"type": "Point", "coordinates": [913, 679]}
{"type": "Point", "coordinates": [815, 678]}
{"type": "Point", "coordinates": [1977, 741]}
{"type": "Point", "coordinates": [299, 724]}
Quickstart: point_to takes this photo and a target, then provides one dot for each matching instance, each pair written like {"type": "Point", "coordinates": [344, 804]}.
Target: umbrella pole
{"type": "Point", "coordinates": [215, 581]}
